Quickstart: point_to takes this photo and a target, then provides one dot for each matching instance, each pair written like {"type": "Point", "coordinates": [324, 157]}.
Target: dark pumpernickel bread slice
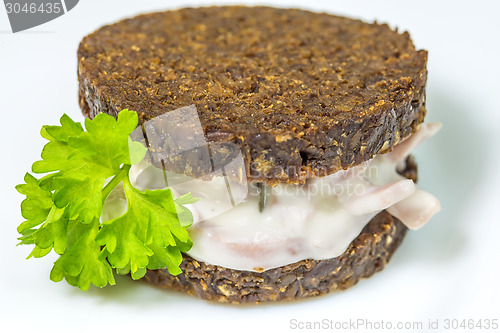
{"type": "Point", "coordinates": [367, 254]}
{"type": "Point", "coordinates": [301, 94]}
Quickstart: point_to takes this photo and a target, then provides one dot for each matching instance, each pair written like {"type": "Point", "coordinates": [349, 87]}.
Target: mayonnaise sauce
{"type": "Point", "coordinates": [316, 220]}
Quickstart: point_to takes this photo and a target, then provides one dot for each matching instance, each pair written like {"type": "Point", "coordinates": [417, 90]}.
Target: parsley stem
{"type": "Point", "coordinates": [117, 179]}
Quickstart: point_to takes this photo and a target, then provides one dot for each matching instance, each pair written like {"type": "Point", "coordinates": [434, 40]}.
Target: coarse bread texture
{"type": "Point", "coordinates": [367, 254]}
{"type": "Point", "coordinates": [301, 94]}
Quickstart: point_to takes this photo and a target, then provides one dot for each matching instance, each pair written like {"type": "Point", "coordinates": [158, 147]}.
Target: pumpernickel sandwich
{"type": "Point", "coordinates": [294, 129]}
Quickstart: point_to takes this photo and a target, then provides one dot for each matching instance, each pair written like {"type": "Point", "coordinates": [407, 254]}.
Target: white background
{"type": "Point", "coordinates": [449, 269]}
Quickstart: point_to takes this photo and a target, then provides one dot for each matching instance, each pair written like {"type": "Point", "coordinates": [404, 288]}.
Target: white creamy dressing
{"type": "Point", "coordinates": [317, 220]}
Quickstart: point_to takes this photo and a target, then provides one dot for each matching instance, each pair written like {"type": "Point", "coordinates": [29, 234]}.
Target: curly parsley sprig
{"type": "Point", "coordinates": [63, 208]}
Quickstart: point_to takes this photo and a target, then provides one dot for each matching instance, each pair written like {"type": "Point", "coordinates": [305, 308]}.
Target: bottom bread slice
{"type": "Point", "coordinates": [367, 254]}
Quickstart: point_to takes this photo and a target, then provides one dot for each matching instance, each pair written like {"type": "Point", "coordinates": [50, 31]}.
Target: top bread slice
{"type": "Point", "coordinates": [301, 94]}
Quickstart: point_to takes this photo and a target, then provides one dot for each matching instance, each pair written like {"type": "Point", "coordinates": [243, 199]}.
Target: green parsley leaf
{"type": "Point", "coordinates": [169, 257]}
{"type": "Point", "coordinates": [82, 264]}
{"type": "Point", "coordinates": [36, 207]}
{"type": "Point", "coordinates": [63, 208]}
{"type": "Point", "coordinates": [53, 233]}
{"type": "Point", "coordinates": [85, 160]}
{"type": "Point", "coordinates": [130, 244]}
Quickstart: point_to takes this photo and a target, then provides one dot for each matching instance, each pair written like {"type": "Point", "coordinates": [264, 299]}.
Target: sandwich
{"type": "Point", "coordinates": [292, 129]}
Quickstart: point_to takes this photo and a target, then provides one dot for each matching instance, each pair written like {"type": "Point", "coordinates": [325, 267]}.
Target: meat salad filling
{"type": "Point", "coordinates": [257, 227]}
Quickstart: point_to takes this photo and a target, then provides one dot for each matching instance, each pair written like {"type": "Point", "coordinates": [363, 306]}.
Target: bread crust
{"type": "Point", "coordinates": [301, 94]}
{"type": "Point", "coordinates": [368, 253]}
